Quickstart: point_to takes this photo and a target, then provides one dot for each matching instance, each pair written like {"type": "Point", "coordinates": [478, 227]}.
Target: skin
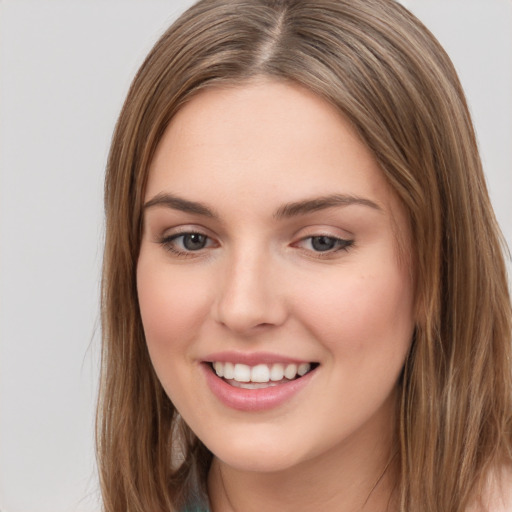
{"type": "Point", "coordinates": [259, 284]}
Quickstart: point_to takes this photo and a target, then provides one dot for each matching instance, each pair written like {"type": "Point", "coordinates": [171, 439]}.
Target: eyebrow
{"type": "Point", "coordinates": [322, 203]}
{"type": "Point", "coordinates": [178, 203]}
{"type": "Point", "coordinates": [286, 211]}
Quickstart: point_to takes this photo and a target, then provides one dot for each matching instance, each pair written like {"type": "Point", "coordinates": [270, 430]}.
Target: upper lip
{"type": "Point", "coordinates": [252, 358]}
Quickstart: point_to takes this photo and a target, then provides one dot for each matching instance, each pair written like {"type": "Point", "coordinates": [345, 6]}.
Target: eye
{"type": "Point", "coordinates": [324, 243]}
{"type": "Point", "coordinates": [191, 241]}
{"type": "Point", "coordinates": [186, 243]}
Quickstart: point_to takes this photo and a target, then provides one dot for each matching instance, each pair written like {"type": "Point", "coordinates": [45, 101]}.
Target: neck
{"type": "Point", "coordinates": [358, 476]}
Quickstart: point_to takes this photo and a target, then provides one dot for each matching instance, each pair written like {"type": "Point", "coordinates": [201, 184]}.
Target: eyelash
{"type": "Point", "coordinates": [169, 243]}
{"type": "Point", "coordinates": [340, 244]}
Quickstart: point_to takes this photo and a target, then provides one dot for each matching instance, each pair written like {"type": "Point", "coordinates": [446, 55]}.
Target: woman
{"type": "Point", "coordinates": [305, 300]}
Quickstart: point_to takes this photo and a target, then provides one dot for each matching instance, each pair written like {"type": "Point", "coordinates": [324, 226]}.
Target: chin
{"type": "Point", "coordinates": [258, 463]}
{"type": "Point", "coordinates": [259, 456]}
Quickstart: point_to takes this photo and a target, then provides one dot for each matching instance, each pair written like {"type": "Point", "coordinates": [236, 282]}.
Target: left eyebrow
{"type": "Point", "coordinates": [322, 203]}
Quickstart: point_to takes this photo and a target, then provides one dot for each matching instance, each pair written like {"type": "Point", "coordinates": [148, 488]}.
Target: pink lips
{"type": "Point", "coordinates": [253, 399]}
{"type": "Point", "coordinates": [251, 359]}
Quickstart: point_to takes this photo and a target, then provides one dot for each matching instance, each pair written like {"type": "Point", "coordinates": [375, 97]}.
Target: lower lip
{"type": "Point", "coordinates": [254, 399]}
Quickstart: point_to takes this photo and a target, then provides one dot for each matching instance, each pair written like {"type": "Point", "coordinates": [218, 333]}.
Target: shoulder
{"type": "Point", "coordinates": [497, 495]}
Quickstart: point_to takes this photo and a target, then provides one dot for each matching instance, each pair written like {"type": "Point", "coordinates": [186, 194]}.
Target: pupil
{"type": "Point", "coordinates": [194, 241]}
{"type": "Point", "coordinates": [323, 243]}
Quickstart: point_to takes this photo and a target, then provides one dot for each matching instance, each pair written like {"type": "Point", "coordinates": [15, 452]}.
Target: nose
{"type": "Point", "coordinates": [250, 297]}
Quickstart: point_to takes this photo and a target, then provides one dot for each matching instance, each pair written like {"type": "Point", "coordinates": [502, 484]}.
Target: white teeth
{"type": "Point", "coordinates": [219, 369]}
{"type": "Point", "coordinates": [303, 369]}
{"type": "Point", "coordinates": [261, 373]}
{"type": "Point", "coordinates": [290, 371]}
{"type": "Point", "coordinates": [229, 370]}
{"type": "Point", "coordinates": [277, 372]}
{"type": "Point", "coordinates": [242, 373]}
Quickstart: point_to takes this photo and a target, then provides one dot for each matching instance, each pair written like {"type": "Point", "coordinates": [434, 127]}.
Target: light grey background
{"type": "Point", "coordinates": [65, 67]}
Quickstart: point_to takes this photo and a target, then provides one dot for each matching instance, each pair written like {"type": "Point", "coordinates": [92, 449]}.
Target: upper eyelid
{"type": "Point", "coordinates": [326, 235]}
{"type": "Point", "coordinates": [323, 230]}
{"type": "Point", "coordinates": [184, 230]}
{"type": "Point", "coordinates": [174, 236]}
{"type": "Point", "coordinates": [348, 241]}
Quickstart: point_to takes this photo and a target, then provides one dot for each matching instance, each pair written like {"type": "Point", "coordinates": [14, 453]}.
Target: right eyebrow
{"type": "Point", "coordinates": [178, 203]}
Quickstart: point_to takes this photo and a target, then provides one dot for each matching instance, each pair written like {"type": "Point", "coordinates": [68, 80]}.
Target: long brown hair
{"type": "Point", "coordinates": [376, 63]}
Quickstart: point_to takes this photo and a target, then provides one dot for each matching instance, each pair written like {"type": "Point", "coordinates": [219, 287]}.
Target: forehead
{"type": "Point", "coordinates": [276, 140]}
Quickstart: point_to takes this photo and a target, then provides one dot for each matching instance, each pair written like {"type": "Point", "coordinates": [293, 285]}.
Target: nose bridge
{"type": "Point", "coordinates": [248, 296]}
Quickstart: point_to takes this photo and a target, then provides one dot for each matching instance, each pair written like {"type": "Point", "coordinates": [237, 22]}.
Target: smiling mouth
{"type": "Point", "coordinates": [261, 375]}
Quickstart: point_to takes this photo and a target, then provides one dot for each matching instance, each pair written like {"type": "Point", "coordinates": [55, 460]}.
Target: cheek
{"type": "Point", "coordinates": [172, 305]}
{"type": "Point", "coordinates": [362, 311]}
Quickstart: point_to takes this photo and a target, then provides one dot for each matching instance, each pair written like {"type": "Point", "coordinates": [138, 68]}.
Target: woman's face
{"type": "Point", "coordinates": [271, 249]}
